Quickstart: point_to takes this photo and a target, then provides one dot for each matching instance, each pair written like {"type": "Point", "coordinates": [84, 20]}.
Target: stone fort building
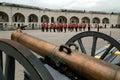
{"type": "Point", "coordinates": [14, 15]}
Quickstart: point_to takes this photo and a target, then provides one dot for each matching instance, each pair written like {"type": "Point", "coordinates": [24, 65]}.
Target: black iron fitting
{"type": "Point", "coordinates": [65, 48]}
{"type": "Point", "coordinates": [73, 46]}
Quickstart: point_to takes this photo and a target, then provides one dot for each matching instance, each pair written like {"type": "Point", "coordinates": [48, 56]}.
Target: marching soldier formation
{"type": "Point", "coordinates": [63, 27]}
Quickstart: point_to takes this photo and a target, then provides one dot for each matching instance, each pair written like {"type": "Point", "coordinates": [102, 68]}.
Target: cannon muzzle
{"type": "Point", "coordinates": [86, 66]}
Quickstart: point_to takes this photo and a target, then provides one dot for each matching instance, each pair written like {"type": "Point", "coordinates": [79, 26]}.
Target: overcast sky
{"type": "Point", "coordinates": [88, 5]}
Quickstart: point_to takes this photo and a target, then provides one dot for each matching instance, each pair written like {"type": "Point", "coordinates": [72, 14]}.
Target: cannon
{"type": "Point", "coordinates": [44, 49]}
{"type": "Point", "coordinates": [68, 61]}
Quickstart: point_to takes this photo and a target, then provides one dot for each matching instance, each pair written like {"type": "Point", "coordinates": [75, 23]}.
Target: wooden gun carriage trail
{"type": "Point", "coordinates": [86, 67]}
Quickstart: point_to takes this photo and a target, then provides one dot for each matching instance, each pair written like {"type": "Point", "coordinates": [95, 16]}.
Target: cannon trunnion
{"type": "Point", "coordinates": [66, 62]}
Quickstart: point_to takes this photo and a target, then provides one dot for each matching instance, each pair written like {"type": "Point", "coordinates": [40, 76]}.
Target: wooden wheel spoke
{"type": "Point", "coordinates": [106, 52]}
{"type": "Point", "coordinates": [1, 74]}
{"type": "Point", "coordinates": [10, 68]}
{"type": "Point", "coordinates": [1, 60]}
{"type": "Point", "coordinates": [94, 46]}
{"type": "Point", "coordinates": [81, 46]}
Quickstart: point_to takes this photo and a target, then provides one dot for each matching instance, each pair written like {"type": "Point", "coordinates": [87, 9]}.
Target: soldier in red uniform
{"type": "Point", "coordinates": [98, 27]}
{"type": "Point", "coordinates": [51, 27]}
{"type": "Point", "coordinates": [84, 26]}
{"type": "Point", "coordinates": [54, 27]}
{"type": "Point", "coordinates": [43, 26]}
{"type": "Point", "coordinates": [46, 27]}
{"type": "Point", "coordinates": [72, 27]}
{"type": "Point", "coordinates": [80, 27]}
{"type": "Point", "coordinates": [69, 25]}
{"type": "Point", "coordinates": [58, 27]}
{"type": "Point", "coordinates": [76, 27]}
{"type": "Point", "coordinates": [61, 27]}
{"type": "Point", "coordinates": [89, 26]}
{"type": "Point", "coordinates": [65, 26]}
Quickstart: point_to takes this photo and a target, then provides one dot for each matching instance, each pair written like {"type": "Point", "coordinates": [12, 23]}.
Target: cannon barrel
{"type": "Point", "coordinates": [88, 67]}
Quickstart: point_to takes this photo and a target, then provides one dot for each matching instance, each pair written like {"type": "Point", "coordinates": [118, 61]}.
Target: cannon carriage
{"type": "Point", "coordinates": [67, 59]}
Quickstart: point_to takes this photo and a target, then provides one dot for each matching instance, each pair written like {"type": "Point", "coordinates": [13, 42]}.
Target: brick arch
{"type": "Point", "coordinates": [18, 17]}
{"type": "Point", "coordinates": [85, 20]}
{"type": "Point", "coordinates": [32, 18]}
{"type": "Point", "coordinates": [45, 19]}
{"type": "Point", "coordinates": [74, 19]}
{"type": "Point", "coordinates": [4, 17]}
{"type": "Point", "coordinates": [62, 19]}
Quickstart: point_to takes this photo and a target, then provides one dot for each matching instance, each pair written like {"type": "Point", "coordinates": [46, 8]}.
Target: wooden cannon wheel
{"type": "Point", "coordinates": [15, 51]}
{"type": "Point", "coordinates": [78, 39]}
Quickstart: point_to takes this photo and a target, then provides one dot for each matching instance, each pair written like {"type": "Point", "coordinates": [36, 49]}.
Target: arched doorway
{"type": "Point", "coordinates": [105, 21]}
{"type": "Point", "coordinates": [62, 19]}
{"type": "Point", "coordinates": [45, 19]}
{"type": "Point", "coordinates": [52, 19]}
{"type": "Point", "coordinates": [18, 17]}
{"type": "Point", "coordinates": [3, 19]}
{"type": "Point", "coordinates": [85, 20]}
{"type": "Point", "coordinates": [32, 18]}
{"type": "Point", "coordinates": [74, 19]}
{"type": "Point", "coordinates": [96, 20]}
